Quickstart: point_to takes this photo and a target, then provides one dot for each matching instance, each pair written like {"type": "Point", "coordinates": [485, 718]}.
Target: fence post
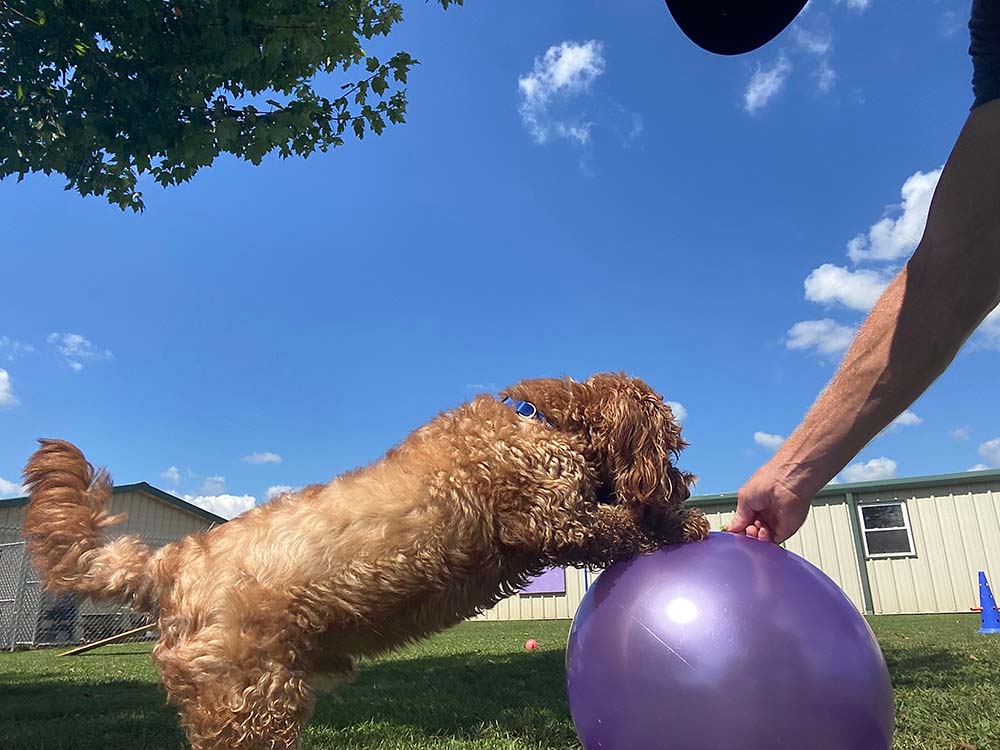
{"type": "Point", "coordinates": [22, 579]}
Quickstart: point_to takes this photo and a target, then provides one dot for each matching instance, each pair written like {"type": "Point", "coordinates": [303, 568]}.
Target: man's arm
{"type": "Point", "coordinates": [912, 334]}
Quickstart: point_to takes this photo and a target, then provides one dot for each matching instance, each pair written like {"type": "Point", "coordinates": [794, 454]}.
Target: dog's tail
{"type": "Point", "coordinates": [67, 513]}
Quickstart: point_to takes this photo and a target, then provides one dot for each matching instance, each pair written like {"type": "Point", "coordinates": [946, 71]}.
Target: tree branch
{"type": "Point", "coordinates": [20, 15]}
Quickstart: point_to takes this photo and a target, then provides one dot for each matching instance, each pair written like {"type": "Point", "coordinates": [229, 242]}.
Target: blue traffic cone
{"type": "Point", "coordinates": [991, 617]}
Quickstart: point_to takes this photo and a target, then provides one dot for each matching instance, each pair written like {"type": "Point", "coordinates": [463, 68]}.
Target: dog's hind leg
{"type": "Point", "coordinates": [262, 711]}
{"type": "Point", "coordinates": [232, 702]}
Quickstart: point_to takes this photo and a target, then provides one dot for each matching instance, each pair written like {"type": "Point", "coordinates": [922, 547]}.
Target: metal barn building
{"type": "Point", "coordinates": [899, 546]}
{"type": "Point", "coordinates": [30, 616]}
{"type": "Point", "coordinates": [894, 547]}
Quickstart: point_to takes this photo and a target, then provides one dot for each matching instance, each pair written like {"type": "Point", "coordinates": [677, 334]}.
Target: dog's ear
{"type": "Point", "coordinates": [553, 515]}
{"type": "Point", "coordinates": [632, 434]}
{"type": "Point", "coordinates": [541, 529]}
{"type": "Point", "coordinates": [637, 437]}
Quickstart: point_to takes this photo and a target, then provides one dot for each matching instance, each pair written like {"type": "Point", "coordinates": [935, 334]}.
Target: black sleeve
{"type": "Point", "coordinates": [984, 47]}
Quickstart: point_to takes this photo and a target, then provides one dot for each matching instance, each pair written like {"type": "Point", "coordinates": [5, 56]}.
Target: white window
{"type": "Point", "coordinates": [885, 527]}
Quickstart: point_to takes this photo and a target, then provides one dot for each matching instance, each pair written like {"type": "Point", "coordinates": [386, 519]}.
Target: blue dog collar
{"type": "Point", "coordinates": [526, 409]}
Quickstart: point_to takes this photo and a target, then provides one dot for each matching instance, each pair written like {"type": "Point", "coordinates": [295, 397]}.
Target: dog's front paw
{"type": "Point", "coordinates": [695, 525]}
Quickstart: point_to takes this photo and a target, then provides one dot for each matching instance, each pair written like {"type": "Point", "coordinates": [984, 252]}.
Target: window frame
{"type": "Point", "coordinates": [907, 526]}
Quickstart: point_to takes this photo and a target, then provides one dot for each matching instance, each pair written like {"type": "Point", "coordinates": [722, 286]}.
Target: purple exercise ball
{"type": "Point", "coordinates": [725, 643]}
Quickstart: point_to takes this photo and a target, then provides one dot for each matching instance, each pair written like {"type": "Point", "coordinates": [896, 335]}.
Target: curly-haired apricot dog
{"type": "Point", "coordinates": [461, 514]}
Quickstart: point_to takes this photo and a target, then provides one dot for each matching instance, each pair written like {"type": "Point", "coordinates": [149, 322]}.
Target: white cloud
{"type": "Point", "coordinates": [11, 489]}
{"type": "Point", "coordinates": [767, 440]}
{"type": "Point", "coordinates": [280, 489]}
{"type": "Point", "coordinates": [579, 132]}
{"type": "Point", "coordinates": [815, 42]}
{"type": "Point", "coordinates": [826, 337]}
{"type": "Point", "coordinates": [989, 330]}
{"type": "Point", "coordinates": [858, 290]}
{"type": "Point", "coordinates": [482, 387]}
{"type": "Point", "coordinates": [825, 76]}
{"type": "Point", "coordinates": [262, 458]}
{"type": "Point", "coordinates": [877, 468]}
{"type": "Point", "coordinates": [952, 23]}
{"type": "Point", "coordinates": [564, 71]}
{"type": "Point", "coordinates": [11, 349]}
{"type": "Point", "coordinates": [77, 349]}
{"type": "Point", "coordinates": [172, 475]}
{"type": "Point", "coordinates": [227, 506]}
{"type": "Point", "coordinates": [680, 413]}
{"type": "Point", "coordinates": [213, 485]}
{"type": "Point", "coordinates": [858, 5]}
{"type": "Point", "coordinates": [6, 390]}
{"type": "Point", "coordinates": [765, 84]}
{"type": "Point", "coordinates": [818, 43]}
{"type": "Point", "coordinates": [961, 433]}
{"type": "Point", "coordinates": [990, 451]}
{"type": "Point", "coordinates": [906, 419]}
{"type": "Point", "coordinates": [891, 239]}
{"type": "Point", "coordinates": [978, 467]}
{"type": "Point", "coordinates": [886, 241]}
{"type": "Point", "coordinates": [635, 130]}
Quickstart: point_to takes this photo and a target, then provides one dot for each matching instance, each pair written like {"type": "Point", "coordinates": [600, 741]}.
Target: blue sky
{"type": "Point", "coordinates": [577, 189]}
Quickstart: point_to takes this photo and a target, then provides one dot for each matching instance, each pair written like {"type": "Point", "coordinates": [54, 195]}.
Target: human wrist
{"type": "Point", "coordinates": [802, 475]}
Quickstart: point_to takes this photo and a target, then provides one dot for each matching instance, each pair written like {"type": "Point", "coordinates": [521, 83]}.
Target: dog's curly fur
{"type": "Point", "coordinates": [455, 518]}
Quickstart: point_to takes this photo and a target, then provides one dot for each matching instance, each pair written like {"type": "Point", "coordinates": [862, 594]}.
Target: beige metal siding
{"type": "Point", "coordinates": [11, 524]}
{"type": "Point", "coordinates": [152, 518]}
{"type": "Point", "coordinates": [956, 533]}
{"type": "Point", "coordinates": [719, 515]}
{"type": "Point", "coordinates": [148, 517]}
{"type": "Point", "coordinates": [155, 521]}
{"type": "Point", "coordinates": [542, 606]}
{"type": "Point", "coordinates": [826, 540]}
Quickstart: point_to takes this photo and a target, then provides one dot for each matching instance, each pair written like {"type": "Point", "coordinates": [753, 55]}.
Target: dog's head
{"type": "Point", "coordinates": [631, 439]}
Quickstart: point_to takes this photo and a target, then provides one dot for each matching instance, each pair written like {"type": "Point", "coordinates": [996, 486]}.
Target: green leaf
{"type": "Point", "coordinates": [362, 94]}
{"type": "Point", "coordinates": [117, 90]}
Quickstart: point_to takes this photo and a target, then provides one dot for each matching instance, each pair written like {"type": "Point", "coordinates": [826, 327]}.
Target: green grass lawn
{"type": "Point", "coordinates": [471, 688]}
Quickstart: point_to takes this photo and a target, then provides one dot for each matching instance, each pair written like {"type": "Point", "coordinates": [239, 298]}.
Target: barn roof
{"type": "Point", "coordinates": [144, 487]}
{"type": "Point", "coordinates": [880, 485]}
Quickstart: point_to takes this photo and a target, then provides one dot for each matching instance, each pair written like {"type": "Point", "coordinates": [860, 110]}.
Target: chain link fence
{"type": "Point", "coordinates": [31, 617]}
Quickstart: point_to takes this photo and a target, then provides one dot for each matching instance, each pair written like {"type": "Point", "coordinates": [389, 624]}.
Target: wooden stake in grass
{"type": "Point", "coordinates": [104, 641]}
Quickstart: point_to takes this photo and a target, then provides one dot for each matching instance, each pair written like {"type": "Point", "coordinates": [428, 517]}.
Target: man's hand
{"type": "Point", "coordinates": [768, 510]}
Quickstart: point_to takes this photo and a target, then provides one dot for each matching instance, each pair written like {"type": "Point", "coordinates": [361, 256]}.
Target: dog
{"type": "Point", "coordinates": [461, 514]}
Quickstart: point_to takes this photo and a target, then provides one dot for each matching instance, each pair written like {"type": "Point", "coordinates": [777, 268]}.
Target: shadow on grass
{"type": "Point", "coordinates": [455, 698]}
{"type": "Point", "coordinates": [928, 668]}
{"type": "Point", "coordinates": [442, 701]}
{"type": "Point", "coordinates": [520, 695]}
{"type": "Point", "coordinates": [111, 715]}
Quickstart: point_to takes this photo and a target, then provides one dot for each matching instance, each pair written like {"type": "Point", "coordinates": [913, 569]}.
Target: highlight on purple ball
{"type": "Point", "coordinates": [725, 643]}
